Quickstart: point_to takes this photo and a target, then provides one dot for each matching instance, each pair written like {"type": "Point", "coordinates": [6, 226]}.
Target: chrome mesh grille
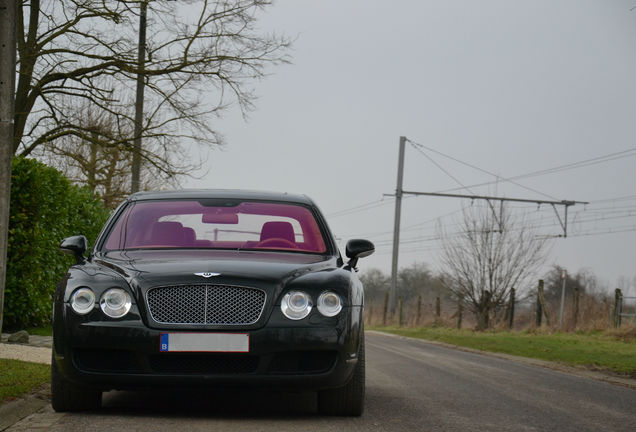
{"type": "Point", "coordinates": [206, 304]}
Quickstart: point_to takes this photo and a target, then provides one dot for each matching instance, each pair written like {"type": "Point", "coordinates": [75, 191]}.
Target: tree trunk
{"type": "Point", "coordinates": [483, 312]}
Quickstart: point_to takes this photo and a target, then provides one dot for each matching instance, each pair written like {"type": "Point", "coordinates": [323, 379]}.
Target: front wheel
{"type": "Point", "coordinates": [67, 396]}
{"type": "Point", "coordinates": [349, 399]}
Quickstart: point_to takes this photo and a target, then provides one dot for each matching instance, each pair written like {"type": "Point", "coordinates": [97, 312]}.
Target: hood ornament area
{"type": "Point", "coordinates": [207, 274]}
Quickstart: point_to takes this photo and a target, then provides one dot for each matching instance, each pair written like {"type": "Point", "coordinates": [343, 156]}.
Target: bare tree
{"type": "Point", "coordinates": [104, 167]}
{"type": "Point", "coordinates": [198, 60]}
{"type": "Point", "coordinates": [491, 253]}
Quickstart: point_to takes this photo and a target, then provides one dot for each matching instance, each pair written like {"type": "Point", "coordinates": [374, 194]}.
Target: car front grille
{"type": "Point", "coordinates": [206, 304]}
{"type": "Point", "coordinates": [209, 363]}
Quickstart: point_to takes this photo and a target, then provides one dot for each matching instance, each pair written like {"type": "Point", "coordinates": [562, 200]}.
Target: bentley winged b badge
{"type": "Point", "coordinates": [207, 274]}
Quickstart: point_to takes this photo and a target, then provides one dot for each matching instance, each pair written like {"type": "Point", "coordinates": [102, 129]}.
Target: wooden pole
{"type": "Point", "coordinates": [139, 100]}
{"type": "Point", "coordinates": [438, 310]}
{"type": "Point", "coordinates": [576, 306]}
{"type": "Point", "coordinates": [618, 297]}
{"type": "Point", "coordinates": [8, 19]}
{"type": "Point", "coordinates": [386, 306]}
{"type": "Point", "coordinates": [396, 224]}
{"type": "Point", "coordinates": [544, 305]}
{"type": "Point", "coordinates": [460, 310]}
{"type": "Point", "coordinates": [419, 310]}
{"type": "Point", "coordinates": [511, 309]}
{"type": "Point", "coordinates": [400, 311]}
{"type": "Point", "coordinates": [539, 313]}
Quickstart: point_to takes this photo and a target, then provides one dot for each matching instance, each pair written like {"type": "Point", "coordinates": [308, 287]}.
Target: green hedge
{"type": "Point", "coordinates": [45, 208]}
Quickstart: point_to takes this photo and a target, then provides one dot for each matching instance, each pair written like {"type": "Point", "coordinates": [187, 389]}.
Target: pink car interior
{"type": "Point", "coordinates": [192, 224]}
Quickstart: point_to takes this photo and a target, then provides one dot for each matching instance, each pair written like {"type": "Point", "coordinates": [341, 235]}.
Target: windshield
{"type": "Point", "coordinates": [216, 224]}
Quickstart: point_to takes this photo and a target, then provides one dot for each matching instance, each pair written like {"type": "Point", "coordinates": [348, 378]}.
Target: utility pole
{"type": "Point", "coordinates": [396, 226]}
{"type": "Point", "coordinates": [564, 276]}
{"type": "Point", "coordinates": [139, 102]}
{"type": "Point", "coordinates": [7, 103]}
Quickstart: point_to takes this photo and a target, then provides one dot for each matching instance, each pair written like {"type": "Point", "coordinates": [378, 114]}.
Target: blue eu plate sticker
{"type": "Point", "coordinates": [163, 343]}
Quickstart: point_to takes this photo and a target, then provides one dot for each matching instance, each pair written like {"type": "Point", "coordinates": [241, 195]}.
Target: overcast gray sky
{"type": "Point", "coordinates": [512, 87]}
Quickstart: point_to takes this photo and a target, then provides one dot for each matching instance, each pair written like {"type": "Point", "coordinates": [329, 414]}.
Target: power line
{"type": "Point", "coordinates": [617, 230]}
{"type": "Point", "coordinates": [406, 228]}
{"type": "Point", "coordinates": [587, 216]}
{"type": "Point", "coordinates": [621, 198]}
{"type": "Point", "coordinates": [419, 146]}
{"type": "Point", "coordinates": [580, 164]}
{"type": "Point", "coordinates": [564, 167]}
{"type": "Point", "coordinates": [362, 207]}
{"type": "Point", "coordinates": [440, 167]}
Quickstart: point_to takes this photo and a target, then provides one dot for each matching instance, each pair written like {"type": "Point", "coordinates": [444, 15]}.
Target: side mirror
{"type": "Point", "coordinates": [75, 245]}
{"type": "Point", "coordinates": [358, 248]}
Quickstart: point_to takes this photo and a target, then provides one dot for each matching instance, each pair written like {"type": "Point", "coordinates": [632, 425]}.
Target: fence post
{"type": "Point", "coordinates": [539, 312]}
{"type": "Point", "coordinates": [511, 317]}
{"type": "Point", "coordinates": [438, 310]}
{"type": "Point", "coordinates": [460, 309]}
{"type": "Point", "coordinates": [544, 305]}
{"type": "Point", "coordinates": [400, 311]}
{"type": "Point", "coordinates": [370, 314]}
{"type": "Point", "coordinates": [419, 310]}
{"type": "Point", "coordinates": [620, 310]}
{"type": "Point", "coordinates": [576, 306]}
{"type": "Point", "coordinates": [386, 306]}
{"type": "Point", "coordinates": [618, 300]}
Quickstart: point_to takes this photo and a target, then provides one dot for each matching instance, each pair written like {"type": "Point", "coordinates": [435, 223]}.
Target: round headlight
{"type": "Point", "coordinates": [83, 301]}
{"type": "Point", "coordinates": [115, 302]}
{"type": "Point", "coordinates": [296, 305]}
{"type": "Point", "coordinates": [329, 304]}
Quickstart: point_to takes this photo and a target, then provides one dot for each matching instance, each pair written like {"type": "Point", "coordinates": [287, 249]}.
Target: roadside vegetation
{"type": "Point", "coordinates": [45, 208]}
{"type": "Point", "coordinates": [41, 331]}
{"type": "Point", "coordinates": [18, 378]}
{"type": "Point", "coordinates": [608, 351]}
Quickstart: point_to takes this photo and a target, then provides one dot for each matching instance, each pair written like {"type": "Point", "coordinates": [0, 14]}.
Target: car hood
{"type": "Point", "coordinates": [148, 268]}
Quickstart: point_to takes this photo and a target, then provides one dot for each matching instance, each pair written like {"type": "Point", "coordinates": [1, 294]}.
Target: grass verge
{"type": "Point", "coordinates": [41, 331]}
{"type": "Point", "coordinates": [18, 377]}
{"type": "Point", "coordinates": [593, 350]}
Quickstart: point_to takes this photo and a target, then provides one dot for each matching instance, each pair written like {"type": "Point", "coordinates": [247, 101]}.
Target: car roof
{"type": "Point", "coordinates": [222, 193]}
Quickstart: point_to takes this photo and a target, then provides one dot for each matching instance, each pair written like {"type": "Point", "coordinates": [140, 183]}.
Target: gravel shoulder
{"type": "Point", "coordinates": [25, 353]}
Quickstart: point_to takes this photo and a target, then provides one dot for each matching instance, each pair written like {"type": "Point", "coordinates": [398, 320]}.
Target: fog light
{"type": "Point", "coordinates": [83, 301]}
{"type": "Point", "coordinates": [296, 305]}
{"type": "Point", "coordinates": [115, 302]}
{"type": "Point", "coordinates": [329, 304]}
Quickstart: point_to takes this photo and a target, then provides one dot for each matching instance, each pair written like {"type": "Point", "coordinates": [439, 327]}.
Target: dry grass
{"type": "Point", "coordinates": [623, 334]}
{"type": "Point", "coordinates": [594, 315]}
{"type": "Point", "coordinates": [592, 349]}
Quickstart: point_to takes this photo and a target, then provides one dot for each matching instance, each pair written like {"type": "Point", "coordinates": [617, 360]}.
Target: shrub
{"type": "Point", "coordinates": [45, 208]}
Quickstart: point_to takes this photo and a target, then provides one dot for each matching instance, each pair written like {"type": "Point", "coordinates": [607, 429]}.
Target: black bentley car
{"type": "Point", "coordinates": [211, 288]}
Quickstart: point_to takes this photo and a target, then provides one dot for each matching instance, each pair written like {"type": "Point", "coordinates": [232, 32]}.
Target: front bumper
{"type": "Point", "coordinates": [315, 353]}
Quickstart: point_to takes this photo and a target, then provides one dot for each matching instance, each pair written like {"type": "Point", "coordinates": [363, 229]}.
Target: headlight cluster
{"type": "Point", "coordinates": [115, 302]}
{"type": "Point", "coordinates": [296, 305]}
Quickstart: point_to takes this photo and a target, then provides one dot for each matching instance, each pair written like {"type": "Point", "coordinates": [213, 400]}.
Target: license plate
{"type": "Point", "coordinates": [204, 342]}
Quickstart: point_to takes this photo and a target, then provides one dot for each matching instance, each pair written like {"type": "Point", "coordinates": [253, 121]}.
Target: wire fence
{"type": "Point", "coordinates": [581, 311]}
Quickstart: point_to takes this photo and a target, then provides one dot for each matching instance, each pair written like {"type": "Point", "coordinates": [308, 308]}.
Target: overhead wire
{"type": "Point", "coordinates": [565, 167]}
{"type": "Point", "coordinates": [419, 146]}
{"type": "Point", "coordinates": [609, 211]}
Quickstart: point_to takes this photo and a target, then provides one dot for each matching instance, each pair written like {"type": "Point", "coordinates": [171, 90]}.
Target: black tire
{"type": "Point", "coordinates": [67, 396]}
{"type": "Point", "coordinates": [347, 400]}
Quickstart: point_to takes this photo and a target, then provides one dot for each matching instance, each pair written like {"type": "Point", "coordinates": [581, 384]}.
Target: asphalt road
{"type": "Point", "coordinates": [411, 385]}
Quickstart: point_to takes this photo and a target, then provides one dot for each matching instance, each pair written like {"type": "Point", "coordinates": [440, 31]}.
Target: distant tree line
{"type": "Point", "coordinates": [419, 283]}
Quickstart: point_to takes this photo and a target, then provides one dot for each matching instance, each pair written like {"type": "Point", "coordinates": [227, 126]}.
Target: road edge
{"type": "Point", "coordinates": [14, 411]}
{"type": "Point", "coordinates": [572, 370]}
